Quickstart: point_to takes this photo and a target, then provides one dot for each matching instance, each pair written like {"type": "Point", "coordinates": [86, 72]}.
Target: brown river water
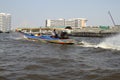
{"type": "Point", "coordinates": [22, 59]}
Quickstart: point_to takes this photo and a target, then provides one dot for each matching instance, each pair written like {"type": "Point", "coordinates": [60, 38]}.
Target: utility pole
{"type": "Point", "coordinates": [111, 18]}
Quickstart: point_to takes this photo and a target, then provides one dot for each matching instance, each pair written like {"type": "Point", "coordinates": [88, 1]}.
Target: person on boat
{"type": "Point", "coordinates": [54, 34]}
{"type": "Point", "coordinates": [64, 35]}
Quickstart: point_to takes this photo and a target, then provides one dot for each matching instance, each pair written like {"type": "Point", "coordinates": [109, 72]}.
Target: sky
{"type": "Point", "coordinates": [33, 13]}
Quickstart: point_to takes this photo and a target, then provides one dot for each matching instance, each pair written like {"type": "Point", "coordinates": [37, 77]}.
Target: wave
{"type": "Point", "coordinates": [111, 43]}
{"type": "Point", "coordinates": [107, 43]}
{"type": "Point", "coordinates": [86, 44]}
{"type": "Point", "coordinates": [16, 36]}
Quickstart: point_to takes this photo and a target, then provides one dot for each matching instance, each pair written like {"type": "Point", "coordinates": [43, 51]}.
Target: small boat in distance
{"type": "Point", "coordinates": [49, 38]}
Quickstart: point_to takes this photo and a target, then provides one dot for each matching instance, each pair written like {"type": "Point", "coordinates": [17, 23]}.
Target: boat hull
{"type": "Point", "coordinates": [48, 38]}
{"type": "Point", "coordinates": [62, 41]}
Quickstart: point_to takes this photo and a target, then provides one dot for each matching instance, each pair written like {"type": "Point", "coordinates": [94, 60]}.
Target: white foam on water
{"type": "Point", "coordinates": [107, 43]}
{"type": "Point", "coordinates": [111, 43]}
{"type": "Point", "coordinates": [16, 36]}
{"type": "Point", "coordinates": [86, 44]}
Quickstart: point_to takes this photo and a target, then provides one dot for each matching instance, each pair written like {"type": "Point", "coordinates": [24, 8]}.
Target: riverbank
{"type": "Point", "coordinates": [79, 32]}
{"type": "Point", "coordinates": [95, 32]}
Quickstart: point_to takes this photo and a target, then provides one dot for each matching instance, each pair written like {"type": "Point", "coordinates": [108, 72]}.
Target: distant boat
{"type": "Point", "coordinates": [48, 38]}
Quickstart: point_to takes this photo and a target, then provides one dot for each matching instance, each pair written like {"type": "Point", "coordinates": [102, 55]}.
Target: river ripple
{"type": "Point", "coordinates": [29, 60]}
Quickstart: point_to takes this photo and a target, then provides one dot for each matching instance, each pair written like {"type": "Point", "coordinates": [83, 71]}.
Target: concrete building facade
{"type": "Point", "coordinates": [5, 22]}
{"type": "Point", "coordinates": [75, 22]}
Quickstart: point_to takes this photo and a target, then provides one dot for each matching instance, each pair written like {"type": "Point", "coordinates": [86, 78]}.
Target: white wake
{"type": "Point", "coordinates": [111, 43]}
{"type": "Point", "coordinates": [107, 43]}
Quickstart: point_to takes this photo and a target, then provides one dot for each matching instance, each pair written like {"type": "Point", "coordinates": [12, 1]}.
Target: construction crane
{"type": "Point", "coordinates": [112, 18]}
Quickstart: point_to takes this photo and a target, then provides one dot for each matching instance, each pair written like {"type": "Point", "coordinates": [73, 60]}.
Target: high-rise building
{"type": "Point", "coordinates": [55, 23]}
{"type": "Point", "coordinates": [5, 22]}
{"type": "Point", "coordinates": [75, 22]}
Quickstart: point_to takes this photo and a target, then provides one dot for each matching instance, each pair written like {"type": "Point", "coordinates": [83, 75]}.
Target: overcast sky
{"type": "Point", "coordinates": [33, 13]}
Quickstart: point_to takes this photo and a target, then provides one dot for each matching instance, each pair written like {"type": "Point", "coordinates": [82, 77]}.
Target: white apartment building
{"type": "Point", "coordinates": [75, 22]}
{"type": "Point", "coordinates": [5, 22]}
{"type": "Point", "coordinates": [55, 23]}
